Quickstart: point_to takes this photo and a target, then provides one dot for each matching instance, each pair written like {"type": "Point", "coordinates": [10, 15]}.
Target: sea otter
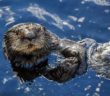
{"type": "Point", "coordinates": [28, 45]}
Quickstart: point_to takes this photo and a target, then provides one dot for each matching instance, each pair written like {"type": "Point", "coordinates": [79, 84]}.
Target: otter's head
{"type": "Point", "coordinates": [26, 38]}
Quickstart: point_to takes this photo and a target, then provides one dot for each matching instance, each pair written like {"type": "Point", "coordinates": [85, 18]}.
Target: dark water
{"type": "Point", "coordinates": [73, 19]}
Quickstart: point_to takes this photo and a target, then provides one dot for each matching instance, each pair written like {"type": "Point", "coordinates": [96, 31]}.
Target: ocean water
{"type": "Point", "coordinates": [72, 19]}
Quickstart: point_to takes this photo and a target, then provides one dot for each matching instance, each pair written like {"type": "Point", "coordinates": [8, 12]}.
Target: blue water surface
{"type": "Point", "coordinates": [72, 19]}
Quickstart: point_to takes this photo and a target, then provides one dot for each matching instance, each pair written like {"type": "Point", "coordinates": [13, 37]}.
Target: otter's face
{"type": "Point", "coordinates": [26, 38]}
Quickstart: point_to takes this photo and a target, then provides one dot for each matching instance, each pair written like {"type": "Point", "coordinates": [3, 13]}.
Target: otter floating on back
{"type": "Point", "coordinates": [27, 46]}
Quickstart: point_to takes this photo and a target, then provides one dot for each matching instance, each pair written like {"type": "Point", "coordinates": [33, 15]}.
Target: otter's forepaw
{"type": "Point", "coordinates": [68, 52]}
{"type": "Point", "coordinates": [65, 70]}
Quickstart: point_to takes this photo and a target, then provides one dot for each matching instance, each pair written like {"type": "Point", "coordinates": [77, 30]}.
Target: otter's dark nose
{"type": "Point", "coordinates": [29, 35]}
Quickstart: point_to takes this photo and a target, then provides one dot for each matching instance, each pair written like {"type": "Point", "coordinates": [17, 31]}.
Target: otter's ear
{"type": "Point", "coordinates": [42, 29]}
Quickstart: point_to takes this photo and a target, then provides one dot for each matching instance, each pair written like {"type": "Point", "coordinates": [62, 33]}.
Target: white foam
{"type": "Point", "coordinates": [87, 88]}
{"type": "Point", "coordinates": [60, 0]}
{"type": "Point", "coordinates": [41, 13]}
{"type": "Point", "coordinates": [99, 2]}
{"type": "Point", "coordinates": [81, 19]}
{"type": "Point", "coordinates": [108, 28]}
{"type": "Point", "coordinates": [7, 14]}
{"type": "Point", "coordinates": [106, 10]}
{"type": "Point", "coordinates": [27, 89]}
{"type": "Point", "coordinates": [40, 89]}
{"type": "Point", "coordinates": [5, 80]}
{"type": "Point", "coordinates": [76, 19]}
